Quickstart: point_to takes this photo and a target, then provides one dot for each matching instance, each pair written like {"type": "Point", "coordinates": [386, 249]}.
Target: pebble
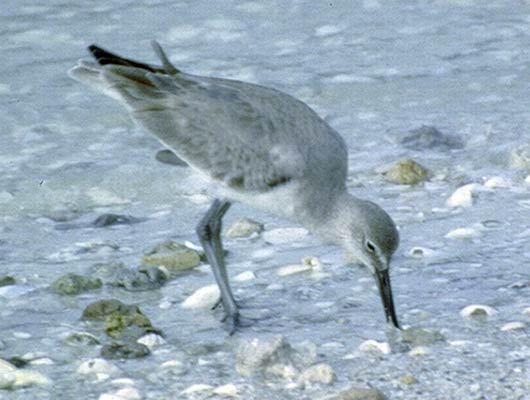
{"type": "Point", "coordinates": [124, 351]}
{"type": "Point", "coordinates": [105, 220]}
{"type": "Point", "coordinates": [520, 157]}
{"type": "Point", "coordinates": [81, 339]}
{"type": "Point", "coordinates": [205, 297]}
{"type": "Point", "coordinates": [526, 311]}
{"type": "Point", "coordinates": [174, 256]}
{"type": "Point", "coordinates": [285, 235]}
{"type": "Point", "coordinates": [421, 252]}
{"type": "Point", "coordinates": [406, 172]}
{"type": "Point", "coordinates": [128, 393]}
{"type": "Point", "coordinates": [73, 284]}
{"type": "Point", "coordinates": [21, 335]}
{"type": "Point", "coordinates": [497, 182]}
{"type": "Point", "coordinates": [408, 379]}
{"type": "Point", "coordinates": [357, 394]}
{"type": "Point", "coordinates": [429, 137]}
{"type": "Point", "coordinates": [245, 276]}
{"type": "Point", "coordinates": [319, 373]}
{"type": "Point", "coordinates": [464, 233]}
{"type": "Point", "coordinates": [144, 278]}
{"type": "Point", "coordinates": [463, 196]}
{"type": "Point", "coordinates": [477, 310]}
{"type": "Point", "coordinates": [199, 387]}
{"type": "Point", "coordinates": [20, 378]}
{"type": "Point", "coordinates": [98, 367]}
{"type": "Point", "coordinates": [151, 340]}
{"type": "Point", "coordinates": [7, 280]}
{"type": "Point", "coordinates": [228, 390]}
{"type": "Point", "coordinates": [244, 228]}
{"type": "Point", "coordinates": [373, 346]}
{"type": "Point", "coordinates": [421, 336]}
{"type": "Point", "coordinates": [168, 157]}
{"type": "Point", "coordinates": [512, 326]}
{"type": "Point", "coordinates": [308, 264]}
{"type": "Point", "coordinates": [419, 351]}
{"type": "Point", "coordinates": [527, 179]}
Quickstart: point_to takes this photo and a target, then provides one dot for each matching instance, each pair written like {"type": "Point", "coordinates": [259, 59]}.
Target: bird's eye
{"type": "Point", "coordinates": [370, 246]}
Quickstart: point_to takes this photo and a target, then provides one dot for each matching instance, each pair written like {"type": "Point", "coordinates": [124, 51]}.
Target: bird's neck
{"type": "Point", "coordinates": [334, 223]}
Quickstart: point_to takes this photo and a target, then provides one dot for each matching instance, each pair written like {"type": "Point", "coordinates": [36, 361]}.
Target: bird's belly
{"type": "Point", "coordinates": [280, 201]}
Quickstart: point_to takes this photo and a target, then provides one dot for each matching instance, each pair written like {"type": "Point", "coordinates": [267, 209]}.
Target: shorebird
{"type": "Point", "coordinates": [259, 146]}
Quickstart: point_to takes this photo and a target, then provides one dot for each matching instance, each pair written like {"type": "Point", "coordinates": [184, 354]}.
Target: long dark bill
{"type": "Point", "coordinates": [385, 290]}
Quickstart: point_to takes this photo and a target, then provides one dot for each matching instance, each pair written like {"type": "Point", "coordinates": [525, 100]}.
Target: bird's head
{"type": "Point", "coordinates": [372, 238]}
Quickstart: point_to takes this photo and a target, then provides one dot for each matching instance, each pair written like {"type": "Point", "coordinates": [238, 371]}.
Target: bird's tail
{"type": "Point", "coordinates": [120, 78]}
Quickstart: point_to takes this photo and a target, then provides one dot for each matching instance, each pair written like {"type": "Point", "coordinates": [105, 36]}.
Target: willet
{"type": "Point", "coordinates": [261, 147]}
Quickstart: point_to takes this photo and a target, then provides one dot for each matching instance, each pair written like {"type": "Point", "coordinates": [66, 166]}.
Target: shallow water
{"type": "Point", "coordinates": [374, 71]}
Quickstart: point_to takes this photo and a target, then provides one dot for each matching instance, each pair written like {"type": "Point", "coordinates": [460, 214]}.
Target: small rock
{"type": "Point", "coordinates": [129, 393]}
{"type": "Point", "coordinates": [464, 234]}
{"type": "Point", "coordinates": [105, 220]}
{"type": "Point", "coordinates": [512, 326]}
{"type": "Point", "coordinates": [407, 172]}
{"type": "Point", "coordinates": [168, 157]}
{"type": "Point", "coordinates": [228, 390]}
{"type": "Point", "coordinates": [145, 278]}
{"type": "Point", "coordinates": [101, 309]}
{"type": "Point", "coordinates": [7, 280]}
{"type": "Point", "coordinates": [320, 373]}
{"type": "Point", "coordinates": [428, 137]}
{"type": "Point", "coordinates": [244, 228]}
{"type": "Point", "coordinates": [197, 388]}
{"type": "Point", "coordinates": [275, 357]}
{"type": "Point", "coordinates": [477, 310]}
{"type": "Point", "coordinates": [97, 366]}
{"type": "Point", "coordinates": [129, 325]}
{"type": "Point", "coordinates": [357, 394]}
{"type": "Point", "coordinates": [285, 235]}
{"type": "Point", "coordinates": [373, 346]}
{"type": "Point", "coordinates": [20, 378]}
{"type": "Point", "coordinates": [419, 351]}
{"type": "Point", "coordinates": [497, 182]}
{"type": "Point", "coordinates": [174, 256]}
{"type": "Point", "coordinates": [421, 336]}
{"type": "Point", "coordinates": [463, 196]}
{"type": "Point", "coordinates": [421, 252]}
{"type": "Point", "coordinates": [72, 284]}
{"type": "Point", "coordinates": [308, 264]}
{"type": "Point", "coordinates": [244, 276]}
{"type": "Point", "coordinates": [520, 157]}
{"type": "Point", "coordinates": [408, 379]}
{"type": "Point", "coordinates": [205, 297]}
{"type": "Point", "coordinates": [151, 340]}
{"type": "Point", "coordinates": [122, 351]}
{"type": "Point", "coordinates": [526, 311]}
{"type": "Point", "coordinates": [6, 366]}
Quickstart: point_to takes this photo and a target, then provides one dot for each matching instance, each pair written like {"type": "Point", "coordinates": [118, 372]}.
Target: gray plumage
{"type": "Point", "coordinates": [262, 146]}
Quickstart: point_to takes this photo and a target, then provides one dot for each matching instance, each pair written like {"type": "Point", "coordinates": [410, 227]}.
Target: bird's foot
{"type": "Point", "coordinates": [232, 322]}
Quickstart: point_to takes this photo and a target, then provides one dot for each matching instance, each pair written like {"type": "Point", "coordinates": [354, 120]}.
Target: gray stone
{"type": "Point", "coordinates": [101, 309]}
{"type": "Point", "coordinates": [81, 339]}
{"type": "Point", "coordinates": [174, 256]}
{"type": "Point", "coordinates": [144, 278]}
{"type": "Point", "coordinates": [127, 350]}
{"type": "Point", "coordinates": [275, 357]}
{"type": "Point", "coordinates": [243, 228]}
{"type": "Point", "coordinates": [520, 157]}
{"type": "Point", "coordinates": [407, 172]}
{"type": "Point", "coordinates": [430, 138]}
{"type": "Point", "coordinates": [7, 280]}
{"type": "Point", "coordinates": [168, 157]}
{"type": "Point", "coordinates": [72, 284]}
{"type": "Point", "coordinates": [105, 220]}
{"type": "Point", "coordinates": [357, 394]}
{"type": "Point", "coordinates": [421, 336]}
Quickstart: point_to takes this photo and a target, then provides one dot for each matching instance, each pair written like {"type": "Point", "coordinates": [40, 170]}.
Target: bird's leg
{"type": "Point", "coordinates": [209, 232]}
